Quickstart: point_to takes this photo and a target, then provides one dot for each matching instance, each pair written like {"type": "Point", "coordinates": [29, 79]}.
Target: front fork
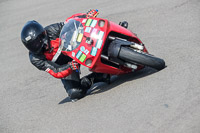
{"type": "Point", "coordinates": [115, 47]}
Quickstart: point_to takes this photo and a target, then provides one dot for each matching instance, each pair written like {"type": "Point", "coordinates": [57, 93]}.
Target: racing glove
{"type": "Point", "coordinates": [92, 13]}
{"type": "Point", "coordinates": [74, 65]}
{"type": "Point", "coordinates": [64, 71]}
{"type": "Point", "coordinates": [58, 71]}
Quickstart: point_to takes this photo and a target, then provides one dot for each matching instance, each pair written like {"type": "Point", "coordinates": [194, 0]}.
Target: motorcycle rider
{"type": "Point", "coordinates": [43, 44]}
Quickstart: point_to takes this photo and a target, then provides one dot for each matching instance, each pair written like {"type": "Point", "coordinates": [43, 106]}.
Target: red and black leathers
{"type": "Point", "coordinates": [43, 61]}
{"type": "Point", "coordinates": [63, 67]}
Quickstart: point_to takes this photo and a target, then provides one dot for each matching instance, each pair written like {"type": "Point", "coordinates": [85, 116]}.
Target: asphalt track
{"type": "Point", "coordinates": [167, 101]}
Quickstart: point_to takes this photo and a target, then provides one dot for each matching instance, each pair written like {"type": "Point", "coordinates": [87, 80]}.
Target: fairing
{"type": "Point", "coordinates": [76, 37]}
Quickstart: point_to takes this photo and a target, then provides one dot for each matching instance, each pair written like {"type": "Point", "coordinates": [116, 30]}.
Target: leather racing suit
{"type": "Point", "coordinates": [60, 68]}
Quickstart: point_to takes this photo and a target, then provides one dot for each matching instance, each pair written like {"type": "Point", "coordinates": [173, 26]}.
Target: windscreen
{"type": "Point", "coordinates": [71, 35]}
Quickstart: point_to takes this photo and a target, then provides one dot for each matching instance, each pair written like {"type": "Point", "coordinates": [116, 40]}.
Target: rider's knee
{"type": "Point", "coordinates": [75, 93]}
{"type": "Point", "coordinates": [86, 83]}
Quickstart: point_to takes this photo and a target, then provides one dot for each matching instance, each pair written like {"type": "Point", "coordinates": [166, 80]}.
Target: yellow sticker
{"type": "Point", "coordinates": [79, 38]}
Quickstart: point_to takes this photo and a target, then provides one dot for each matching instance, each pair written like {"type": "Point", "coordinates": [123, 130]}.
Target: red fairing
{"type": "Point", "coordinates": [60, 75]}
{"type": "Point", "coordinates": [89, 54]}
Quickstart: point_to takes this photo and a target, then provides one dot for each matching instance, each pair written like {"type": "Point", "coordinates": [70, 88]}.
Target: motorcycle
{"type": "Point", "coordinates": [105, 47]}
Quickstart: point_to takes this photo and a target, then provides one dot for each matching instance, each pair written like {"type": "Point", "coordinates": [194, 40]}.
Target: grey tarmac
{"type": "Point", "coordinates": [147, 101]}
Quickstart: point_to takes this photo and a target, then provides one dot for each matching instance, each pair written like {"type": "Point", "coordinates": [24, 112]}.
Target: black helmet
{"type": "Point", "coordinates": [34, 36]}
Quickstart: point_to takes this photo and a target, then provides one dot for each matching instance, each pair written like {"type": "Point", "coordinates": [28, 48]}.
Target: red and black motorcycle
{"type": "Point", "coordinates": [105, 47]}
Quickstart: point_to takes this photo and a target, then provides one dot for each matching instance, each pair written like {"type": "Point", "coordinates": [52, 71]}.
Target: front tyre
{"type": "Point", "coordinates": [132, 56]}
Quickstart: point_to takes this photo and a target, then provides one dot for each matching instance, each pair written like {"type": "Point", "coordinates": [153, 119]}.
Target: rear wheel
{"type": "Point", "coordinates": [133, 56]}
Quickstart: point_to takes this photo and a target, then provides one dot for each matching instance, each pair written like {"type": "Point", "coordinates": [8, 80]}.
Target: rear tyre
{"type": "Point", "coordinates": [132, 56]}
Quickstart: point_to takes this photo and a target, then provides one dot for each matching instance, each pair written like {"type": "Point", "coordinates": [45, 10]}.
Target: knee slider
{"type": "Point", "coordinates": [75, 94]}
{"type": "Point", "coordinates": [85, 83]}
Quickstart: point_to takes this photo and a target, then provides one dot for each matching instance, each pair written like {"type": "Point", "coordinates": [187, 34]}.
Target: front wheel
{"type": "Point", "coordinates": [132, 56]}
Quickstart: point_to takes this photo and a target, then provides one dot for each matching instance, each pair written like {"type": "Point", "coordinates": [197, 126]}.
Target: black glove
{"type": "Point", "coordinates": [74, 65]}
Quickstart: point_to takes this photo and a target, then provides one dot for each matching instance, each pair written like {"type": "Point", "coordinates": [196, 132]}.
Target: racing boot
{"type": "Point", "coordinates": [124, 24]}
{"type": "Point", "coordinates": [86, 83]}
{"type": "Point", "coordinates": [75, 94]}
{"type": "Point", "coordinates": [78, 93]}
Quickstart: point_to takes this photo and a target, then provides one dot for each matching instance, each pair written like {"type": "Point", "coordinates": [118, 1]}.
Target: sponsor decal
{"type": "Point", "coordinates": [86, 52]}
{"type": "Point", "coordinates": [88, 29]}
{"type": "Point", "coordinates": [79, 38]}
{"type": "Point", "coordinates": [93, 24]}
{"type": "Point", "coordinates": [78, 55]}
{"type": "Point", "coordinates": [84, 20]}
{"type": "Point", "coordinates": [94, 51]}
{"type": "Point", "coordinates": [28, 38]}
{"type": "Point", "coordinates": [73, 54]}
{"type": "Point", "coordinates": [82, 48]}
{"type": "Point", "coordinates": [82, 58]}
{"type": "Point", "coordinates": [88, 22]}
{"type": "Point", "coordinates": [97, 34]}
{"type": "Point", "coordinates": [101, 33]}
{"type": "Point", "coordinates": [99, 43]}
{"type": "Point", "coordinates": [94, 33]}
